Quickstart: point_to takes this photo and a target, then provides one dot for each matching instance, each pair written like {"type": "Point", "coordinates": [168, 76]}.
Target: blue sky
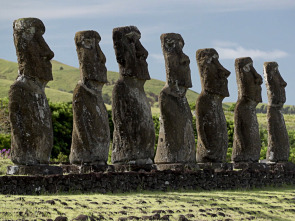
{"type": "Point", "coordinates": [261, 29]}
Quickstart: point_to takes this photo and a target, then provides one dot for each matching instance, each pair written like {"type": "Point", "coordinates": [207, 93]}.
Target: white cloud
{"type": "Point", "coordinates": [232, 50]}
{"type": "Point", "coordinates": [56, 9]}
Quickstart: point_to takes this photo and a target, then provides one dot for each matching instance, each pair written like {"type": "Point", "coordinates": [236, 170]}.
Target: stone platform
{"type": "Point", "coordinates": [216, 167]}
{"type": "Point", "coordinates": [84, 169]}
{"type": "Point", "coordinates": [177, 167]}
{"type": "Point", "coordinates": [34, 170]}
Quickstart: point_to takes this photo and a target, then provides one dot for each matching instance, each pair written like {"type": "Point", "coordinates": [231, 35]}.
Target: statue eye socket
{"type": "Point", "coordinates": [246, 68]}
{"type": "Point", "coordinates": [209, 60]}
{"type": "Point", "coordinates": [169, 46]}
{"type": "Point", "coordinates": [88, 43]}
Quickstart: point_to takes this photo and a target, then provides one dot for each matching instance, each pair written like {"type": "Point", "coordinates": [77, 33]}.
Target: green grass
{"type": "Point", "coordinates": [262, 204]}
{"type": "Point", "coordinates": [65, 79]}
{"type": "Point", "coordinates": [3, 165]}
{"type": "Point", "coordinates": [262, 120]}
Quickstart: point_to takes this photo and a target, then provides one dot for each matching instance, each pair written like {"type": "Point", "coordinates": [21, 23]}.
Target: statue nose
{"type": "Point", "coordinates": [50, 54]}
{"type": "Point", "coordinates": [47, 53]}
{"type": "Point", "coordinates": [223, 70]}
{"type": "Point", "coordinates": [141, 52]}
{"type": "Point", "coordinates": [258, 78]}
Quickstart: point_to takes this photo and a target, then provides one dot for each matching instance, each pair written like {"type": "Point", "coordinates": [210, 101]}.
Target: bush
{"type": "Point", "coordinates": [232, 107]}
{"type": "Point", "coordinates": [264, 143]}
{"type": "Point", "coordinates": [5, 141]}
{"type": "Point", "coordinates": [156, 121]}
{"type": "Point", "coordinates": [62, 121]}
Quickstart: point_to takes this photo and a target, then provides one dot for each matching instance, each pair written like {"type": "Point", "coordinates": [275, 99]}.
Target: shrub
{"type": "Point", "coordinates": [156, 121]}
{"type": "Point", "coordinates": [62, 120]}
{"type": "Point", "coordinates": [5, 140]}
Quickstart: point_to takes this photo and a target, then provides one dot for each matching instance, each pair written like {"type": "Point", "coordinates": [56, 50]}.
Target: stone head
{"type": "Point", "coordinates": [131, 55]}
{"type": "Point", "coordinates": [91, 58]}
{"type": "Point", "coordinates": [275, 84]}
{"type": "Point", "coordinates": [213, 74]}
{"type": "Point", "coordinates": [248, 80]}
{"type": "Point", "coordinates": [32, 51]}
{"type": "Point", "coordinates": [177, 63]}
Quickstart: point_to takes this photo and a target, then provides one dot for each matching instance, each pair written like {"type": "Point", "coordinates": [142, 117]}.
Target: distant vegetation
{"type": "Point", "coordinates": [261, 108]}
{"type": "Point", "coordinates": [65, 79]}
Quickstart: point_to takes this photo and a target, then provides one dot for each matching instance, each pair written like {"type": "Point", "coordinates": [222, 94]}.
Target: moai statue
{"type": "Point", "coordinates": [278, 140]}
{"type": "Point", "coordinates": [91, 132]}
{"type": "Point", "coordinates": [134, 133]}
{"type": "Point", "coordinates": [29, 113]}
{"type": "Point", "coordinates": [176, 142]}
{"type": "Point", "coordinates": [247, 144]}
{"type": "Point", "coordinates": [211, 124]}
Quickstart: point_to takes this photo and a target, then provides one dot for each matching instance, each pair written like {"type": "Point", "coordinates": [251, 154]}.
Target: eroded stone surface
{"type": "Point", "coordinates": [29, 113]}
{"type": "Point", "coordinates": [278, 140]}
{"type": "Point", "coordinates": [91, 132]}
{"type": "Point", "coordinates": [34, 170]}
{"type": "Point", "coordinates": [247, 144]}
{"type": "Point", "coordinates": [211, 124]}
{"type": "Point", "coordinates": [134, 134]}
{"type": "Point", "coordinates": [176, 143]}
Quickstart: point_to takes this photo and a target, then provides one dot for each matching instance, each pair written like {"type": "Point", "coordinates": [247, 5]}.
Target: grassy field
{"type": "Point", "coordinates": [65, 80]}
{"type": "Point", "coordinates": [262, 119]}
{"type": "Point", "coordinates": [262, 204]}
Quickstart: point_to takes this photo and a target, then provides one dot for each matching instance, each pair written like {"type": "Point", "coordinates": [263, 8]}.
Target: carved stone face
{"type": "Point", "coordinates": [177, 63]}
{"type": "Point", "coordinates": [131, 55]}
{"type": "Point", "coordinates": [213, 74]}
{"type": "Point", "coordinates": [91, 59]}
{"type": "Point", "coordinates": [248, 80]}
{"type": "Point", "coordinates": [275, 84]}
{"type": "Point", "coordinates": [33, 53]}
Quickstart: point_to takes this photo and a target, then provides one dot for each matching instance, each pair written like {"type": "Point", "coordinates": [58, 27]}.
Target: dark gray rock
{"type": "Point", "coordinates": [278, 139]}
{"type": "Point", "coordinates": [211, 124]}
{"type": "Point", "coordinates": [247, 144]}
{"type": "Point", "coordinates": [61, 218]}
{"type": "Point", "coordinates": [134, 133]}
{"type": "Point", "coordinates": [176, 143]}
{"type": "Point", "coordinates": [91, 132]}
{"type": "Point", "coordinates": [29, 113]}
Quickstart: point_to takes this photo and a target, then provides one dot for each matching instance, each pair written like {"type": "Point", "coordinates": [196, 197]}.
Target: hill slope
{"type": "Point", "coordinates": [66, 77]}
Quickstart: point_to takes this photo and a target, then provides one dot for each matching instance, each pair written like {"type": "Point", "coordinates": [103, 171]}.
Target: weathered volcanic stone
{"type": "Point", "coordinates": [176, 143]}
{"type": "Point", "coordinates": [29, 113]}
{"type": "Point", "coordinates": [34, 170]}
{"type": "Point", "coordinates": [91, 132]}
{"type": "Point", "coordinates": [210, 119]}
{"type": "Point", "coordinates": [134, 133]}
{"type": "Point", "coordinates": [278, 140]}
{"type": "Point", "coordinates": [247, 144]}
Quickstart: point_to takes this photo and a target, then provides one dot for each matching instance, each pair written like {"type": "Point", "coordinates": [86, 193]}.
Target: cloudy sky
{"type": "Point", "coordinates": [261, 29]}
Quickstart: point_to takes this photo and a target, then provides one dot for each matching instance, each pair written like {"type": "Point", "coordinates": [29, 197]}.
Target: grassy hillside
{"type": "Point", "coordinates": [66, 77]}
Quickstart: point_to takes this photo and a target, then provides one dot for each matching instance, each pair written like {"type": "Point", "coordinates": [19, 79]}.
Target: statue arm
{"type": "Point", "coordinates": [82, 118]}
{"type": "Point", "coordinates": [201, 129]}
{"type": "Point", "coordinates": [16, 114]}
